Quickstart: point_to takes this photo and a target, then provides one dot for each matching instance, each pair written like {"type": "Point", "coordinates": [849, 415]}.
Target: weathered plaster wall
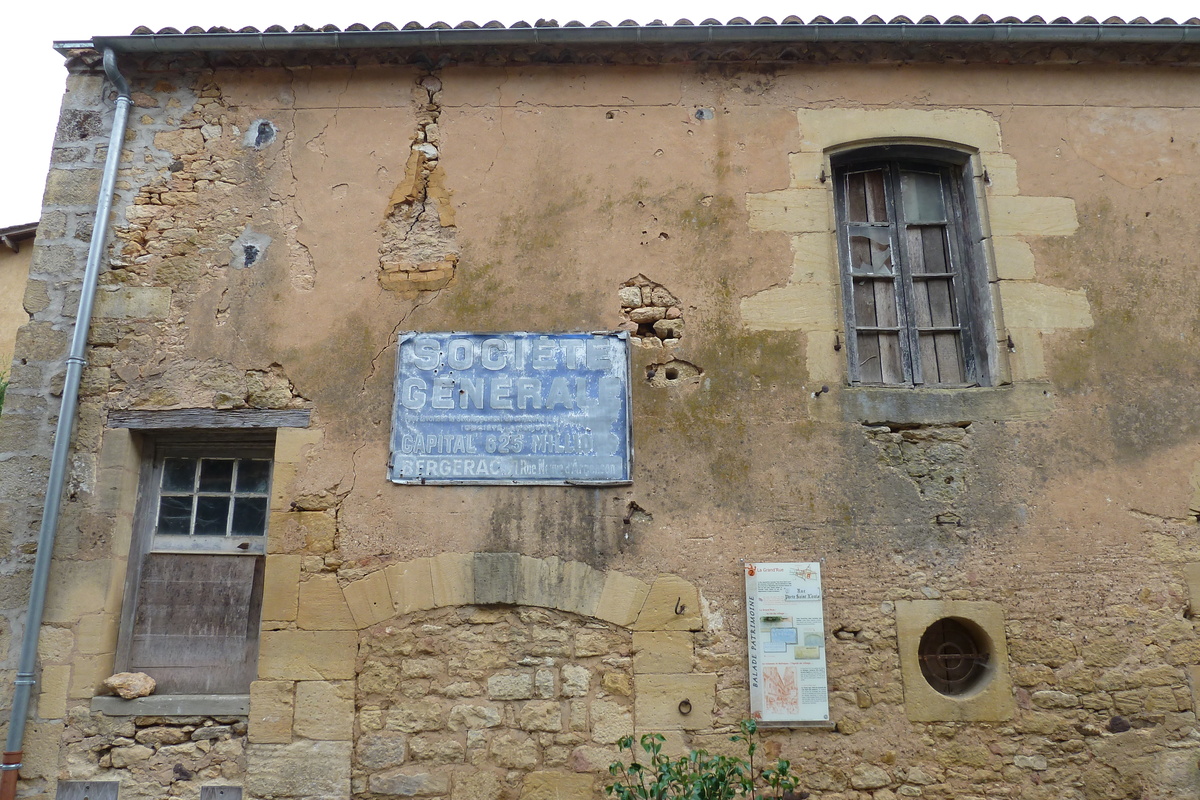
{"type": "Point", "coordinates": [276, 230]}
{"type": "Point", "coordinates": [14, 270]}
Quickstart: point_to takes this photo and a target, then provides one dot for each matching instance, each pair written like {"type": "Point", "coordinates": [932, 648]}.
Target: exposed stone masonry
{"type": "Point", "coordinates": [419, 253]}
{"type": "Point", "coordinates": [934, 457]}
{"type": "Point", "coordinates": [467, 702]}
{"type": "Point", "coordinates": [154, 757]}
{"type": "Point", "coordinates": [653, 314]}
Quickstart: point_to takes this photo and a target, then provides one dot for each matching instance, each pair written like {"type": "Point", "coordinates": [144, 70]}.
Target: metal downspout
{"type": "Point", "coordinates": [62, 439]}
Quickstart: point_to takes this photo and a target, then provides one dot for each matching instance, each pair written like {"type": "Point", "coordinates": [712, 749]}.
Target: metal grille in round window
{"type": "Point", "coordinates": [954, 657]}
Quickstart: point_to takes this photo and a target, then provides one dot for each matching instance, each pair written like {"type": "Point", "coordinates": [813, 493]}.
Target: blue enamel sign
{"type": "Point", "coordinates": [511, 408]}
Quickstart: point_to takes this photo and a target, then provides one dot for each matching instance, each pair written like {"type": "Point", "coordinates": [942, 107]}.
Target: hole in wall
{"type": "Point", "coordinates": [675, 372]}
{"type": "Point", "coordinates": [955, 656]}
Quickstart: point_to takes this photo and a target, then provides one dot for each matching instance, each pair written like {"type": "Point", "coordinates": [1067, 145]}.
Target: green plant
{"type": "Point", "coordinates": [699, 775]}
{"type": "Point", "coordinates": [3, 388]}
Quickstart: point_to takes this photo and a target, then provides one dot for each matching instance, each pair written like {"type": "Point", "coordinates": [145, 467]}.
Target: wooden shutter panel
{"type": "Point", "coordinates": [195, 628]}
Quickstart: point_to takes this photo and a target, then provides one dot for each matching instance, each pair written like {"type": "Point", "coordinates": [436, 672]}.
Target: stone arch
{"type": "Point", "coordinates": [309, 670]}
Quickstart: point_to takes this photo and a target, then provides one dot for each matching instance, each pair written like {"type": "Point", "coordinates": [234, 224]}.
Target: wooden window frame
{"type": "Point", "coordinates": [259, 444]}
{"type": "Point", "coordinates": [967, 273]}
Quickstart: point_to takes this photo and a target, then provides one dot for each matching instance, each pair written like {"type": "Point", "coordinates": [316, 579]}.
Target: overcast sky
{"type": "Point", "coordinates": [33, 75]}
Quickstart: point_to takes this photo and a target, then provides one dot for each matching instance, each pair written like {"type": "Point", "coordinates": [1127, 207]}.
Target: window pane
{"type": "Point", "coordinates": [175, 515]}
{"type": "Point", "coordinates": [890, 363]}
{"type": "Point", "coordinates": [216, 475]}
{"type": "Point", "coordinates": [212, 515]}
{"type": "Point", "coordinates": [865, 199]}
{"type": "Point", "coordinates": [179, 475]}
{"type": "Point", "coordinates": [249, 516]}
{"type": "Point", "coordinates": [949, 356]}
{"type": "Point", "coordinates": [921, 193]}
{"type": "Point", "coordinates": [253, 476]}
{"type": "Point", "coordinates": [870, 251]}
{"type": "Point", "coordinates": [868, 358]}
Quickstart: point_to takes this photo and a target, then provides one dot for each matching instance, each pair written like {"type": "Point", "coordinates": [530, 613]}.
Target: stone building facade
{"type": "Point", "coordinates": [284, 211]}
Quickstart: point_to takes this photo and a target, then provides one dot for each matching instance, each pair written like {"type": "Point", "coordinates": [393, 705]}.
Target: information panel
{"type": "Point", "coordinates": [785, 619]}
{"type": "Point", "coordinates": [511, 408]}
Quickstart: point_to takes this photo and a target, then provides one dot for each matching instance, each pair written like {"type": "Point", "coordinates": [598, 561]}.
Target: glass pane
{"type": "Point", "coordinates": [175, 515]}
{"type": "Point", "coordinates": [212, 515]}
{"type": "Point", "coordinates": [253, 476]}
{"type": "Point", "coordinates": [179, 475]}
{"type": "Point", "coordinates": [868, 358]}
{"type": "Point", "coordinates": [865, 197]}
{"type": "Point", "coordinates": [870, 251]}
{"type": "Point", "coordinates": [249, 516]}
{"type": "Point", "coordinates": [921, 193]}
{"type": "Point", "coordinates": [216, 475]}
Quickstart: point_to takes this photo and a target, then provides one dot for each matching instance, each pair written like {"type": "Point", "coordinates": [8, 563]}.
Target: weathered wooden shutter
{"type": "Point", "coordinates": [195, 629]}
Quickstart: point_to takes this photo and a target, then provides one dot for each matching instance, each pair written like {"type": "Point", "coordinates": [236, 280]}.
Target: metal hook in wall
{"type": "Point", "coordinates": [679, 606]}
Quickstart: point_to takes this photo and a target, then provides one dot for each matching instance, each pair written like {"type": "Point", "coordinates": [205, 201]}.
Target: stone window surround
{"type": "Point", "coordinates": [1024, 310]}
{"type": "Point", "coordinates": [992, 701]}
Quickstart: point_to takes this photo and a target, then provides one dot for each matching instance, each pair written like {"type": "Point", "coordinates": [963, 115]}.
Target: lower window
{"type": "Point", "coordinates": [194, 589]}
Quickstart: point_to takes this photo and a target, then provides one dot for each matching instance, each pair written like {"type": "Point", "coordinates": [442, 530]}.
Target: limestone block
{"type": "Point", "coordinates": [41, 748]}
{"type": "Point", "coordinates": [325, 710]}
{"type": "Point", "coordinates": [541, 715]}
{"type": "Point", "coordinates": [496, 577]}
{"type": "Point", "coordinates": [658, 698]}
{"type": "Point", "coordinates": [814, 259]}
{"type": "Point", "coordinates": [791, 210]}
{"type": "Point", "coordinates": [436, 748]}
{"type": "Point", "coordinates": [1044, 308]}
{"type": "Point", "coordinates": [824, 128]}
{"type": "Point", "coordinates": [662, 652]}
{"type": "Point", "coordinates": [377, 751]}
{"type": "Point", "coordinates": [826, 364]}
{"type": "Point", "coordinates": [795, 307]}
{"type": "Point", "coordinates": [54, 685]}
{"type": "Point", "coordinates": [474, 717]}
{"type": "Point", "coordinates": [478, 785]}
{"type": "Point", "coordinates": [307, 655]}
{"type": "Point", "coordinates": [55, 645]}
{"type": "Point", "coordinates": [576, 680]}
{"type": "Point", "coordinates": [97, 633]}
{"type": "Point", "coordinates": [510, 686]}
{"type": "Point", "coordinates": [370, 599]}
{"type": "Point", "coordinates": [514, 750]}
{"type": "Point", "coordinates": [557, 786]}
{"type": "Point", "coordinates": [807, 169]}
{"type": "Point", "coordinates": [1014, 259]}
{"type": "Point", "coordinates": [453, 578]}
{"type": "Point", "coordinates": [1028, 357]}
{"type": "Point", "coordinates": [88, 674]}
{"type": "Point", "coordinates": [1001, 174]}
{"type": "Point", "coordinates": [621, 599]}
{"type": "Point", "coordinates": [293, 444]}
{"type": "Point", "coordinates": [1032, 216]}
{"type": "Point", "coordinates": [76, 588]}
{"type": "Point", "coordinates": [322, 605]}
{"type": "Point", "coordinates": [610, 721]}
{"type": "Point", "coordinates": [271, 712]}
{"type": "Point", "coordinates": [1191, 572]}
{"type": "Point", "coordinates": [411, 585]}
{"type": "Point", "coordinates": [133, 302]}
{"type": "Point", "coordinates": [283, 478]}
{"type": "Point", "coordinates": [581, 588]}
{"type": "Point", "coordinates": [538, 582]}
{"type": "Point", "coordinates": [281, 580]}
{"type": "Point", "coordinates": [672, 604]}
{"type": "Point", "coordinates": [72, 187]}
{"type": "Point", "coordinates": [301, 769]}
{"type": "Point", "coordinates": [409, 782]}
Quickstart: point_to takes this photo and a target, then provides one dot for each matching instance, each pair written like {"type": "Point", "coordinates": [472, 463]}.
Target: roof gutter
{"type": "Point", "coordinates": [916, 33]}
{"type": "Point", "coordinates": [59, 459]}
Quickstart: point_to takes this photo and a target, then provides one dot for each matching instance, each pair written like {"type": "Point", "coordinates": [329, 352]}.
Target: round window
{"type": "Point", "coordinates": [954, 656]}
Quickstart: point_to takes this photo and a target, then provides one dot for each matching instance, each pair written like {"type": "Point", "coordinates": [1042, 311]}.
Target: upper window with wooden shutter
{"type": "Point", "coordinates": [913, 284]}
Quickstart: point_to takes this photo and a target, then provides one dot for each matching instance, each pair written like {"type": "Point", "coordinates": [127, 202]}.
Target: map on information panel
{"type": "Point", "coordinates": [785, 620]}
